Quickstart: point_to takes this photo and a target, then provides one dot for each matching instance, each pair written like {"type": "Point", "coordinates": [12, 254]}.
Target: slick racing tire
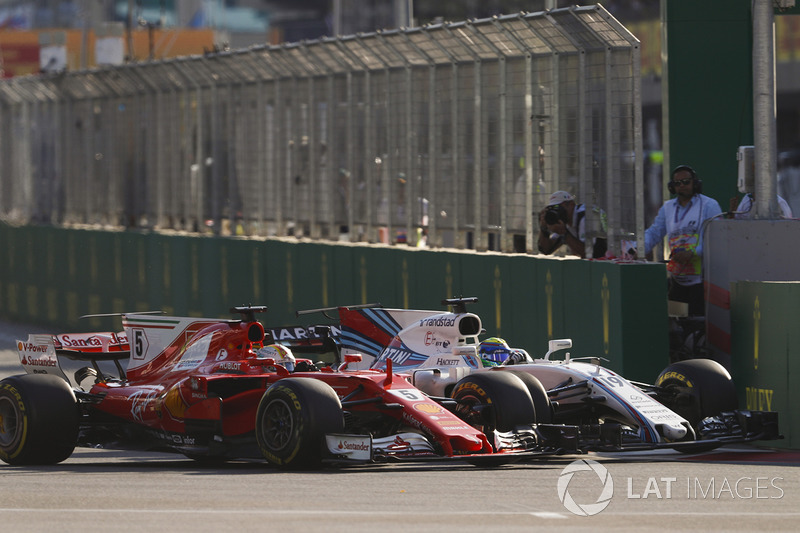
{"type": "Point", "coordinates": [292, 419]}
{"type": "Point", "coordinates": [541, 401]}
{"type": "Point", "coordinates": [38, 420]}
{"type": "Point", "coordinates": [697, 388]}
{"type": "Point", "coordinates": [494, 400]}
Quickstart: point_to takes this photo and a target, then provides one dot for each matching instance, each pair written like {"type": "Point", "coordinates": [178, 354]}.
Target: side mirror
{"type": "Point", "coordinates": [556, 345]}
{"type": "Point", "coordinates": [350, 358]}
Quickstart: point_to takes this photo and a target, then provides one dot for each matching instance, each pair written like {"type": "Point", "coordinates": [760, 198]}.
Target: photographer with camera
{"type": "Point", "coordinates": [563, 222]}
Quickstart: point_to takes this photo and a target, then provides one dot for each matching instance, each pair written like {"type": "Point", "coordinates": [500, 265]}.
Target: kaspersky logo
{"type": "Point", "coordinates": [588, 468]}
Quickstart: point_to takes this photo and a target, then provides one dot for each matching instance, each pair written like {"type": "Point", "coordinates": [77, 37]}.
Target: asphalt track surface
{"type": "Point", "coordinates": [744, 488]}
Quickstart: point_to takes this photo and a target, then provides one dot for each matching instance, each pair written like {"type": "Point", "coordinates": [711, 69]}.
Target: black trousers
{"type": "Point", "coordinates": [691, 294]}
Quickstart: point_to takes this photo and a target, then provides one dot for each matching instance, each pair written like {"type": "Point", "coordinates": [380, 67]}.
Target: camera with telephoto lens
{"type": "Point", "coordinates": [554, 213]}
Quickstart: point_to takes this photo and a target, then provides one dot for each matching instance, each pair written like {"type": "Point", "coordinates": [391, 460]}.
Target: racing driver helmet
{"type": "Point", "coordinates": [493, 351]}
{"type": "Point", "coordinates": [282, 355]}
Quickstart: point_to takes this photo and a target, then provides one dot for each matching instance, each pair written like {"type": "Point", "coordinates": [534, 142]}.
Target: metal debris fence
{"type": "Point", "coordinates": [448, 135]}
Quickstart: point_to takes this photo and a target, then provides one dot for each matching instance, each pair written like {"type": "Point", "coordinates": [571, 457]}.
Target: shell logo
{"type": "Point", "coordinates": [428, 408]}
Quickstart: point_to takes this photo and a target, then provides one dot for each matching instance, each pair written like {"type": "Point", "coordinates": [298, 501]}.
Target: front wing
{"type": "Point", "coordinates": [529, 443]}
{"type": "Point", "coordinates": [524, 442]}
{"type": "Point", "coordinates": [732, 427]}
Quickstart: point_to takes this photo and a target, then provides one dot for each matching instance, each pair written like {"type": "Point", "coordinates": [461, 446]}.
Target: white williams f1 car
{"type": "Point", "coordinates": [691, 407]}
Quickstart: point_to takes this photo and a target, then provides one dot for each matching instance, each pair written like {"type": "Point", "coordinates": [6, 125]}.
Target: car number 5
{"type": "Point", "coordinates": [409, 394]}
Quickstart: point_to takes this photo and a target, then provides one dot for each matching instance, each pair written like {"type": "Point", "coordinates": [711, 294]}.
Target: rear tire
{"type": "Point", "coordinates": [698, 388]}
{"type": "Point", "coordinates": [494, 400]}
{"type": "Point", "coordinates": [38, 420]}
{"type": "Point", "coordinates": [292, 419]}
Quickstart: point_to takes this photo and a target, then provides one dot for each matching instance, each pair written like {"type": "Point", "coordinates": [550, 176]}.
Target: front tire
{"type": "Point", "coordinates": [494, 401]}
{"type": "Point", "coordinates": [697, 388]}
{"type": "Point", "coordinates": [541, 401]}
{"type": "Point", "coordinates": [292, 419]}
{"type": "Point", "coordinates": [38, 420]}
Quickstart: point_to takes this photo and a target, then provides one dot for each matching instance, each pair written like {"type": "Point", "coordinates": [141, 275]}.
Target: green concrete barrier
{"type": "Point", "coordinates": [615, 311]}
{"type": "Point", "coordinates": [766, 351]}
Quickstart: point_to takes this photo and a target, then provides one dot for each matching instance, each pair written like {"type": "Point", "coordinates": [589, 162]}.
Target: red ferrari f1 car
{"type": "Point", "coordinates": [217, 389]}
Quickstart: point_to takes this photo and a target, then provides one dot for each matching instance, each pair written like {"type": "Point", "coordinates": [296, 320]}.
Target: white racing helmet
{"type": "Point", "coordinates": [282, 355]}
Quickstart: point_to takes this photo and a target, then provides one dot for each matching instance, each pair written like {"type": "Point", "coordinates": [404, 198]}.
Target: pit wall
{"type": "Point", "coordinates": [752, 312]}
{"type": "Point", "coordinates": [766, 342]}
{"type": "Point", "coordinates": [52, 276]}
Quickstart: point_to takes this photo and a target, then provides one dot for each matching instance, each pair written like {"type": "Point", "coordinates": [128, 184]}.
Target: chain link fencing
{"type": "Point", "coordinates": [448, 135]}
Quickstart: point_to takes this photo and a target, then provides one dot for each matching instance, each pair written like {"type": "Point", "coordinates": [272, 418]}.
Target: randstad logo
{"type": "Point", "coordinates": [585, 509]}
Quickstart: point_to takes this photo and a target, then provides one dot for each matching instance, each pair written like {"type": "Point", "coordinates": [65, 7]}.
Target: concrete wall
{"type": "Point", "coordinates": [52, 276]}
{"type": "Point", "coordinates": [766, 351]}
{"type": "Point", "coordinates": [737, 250]}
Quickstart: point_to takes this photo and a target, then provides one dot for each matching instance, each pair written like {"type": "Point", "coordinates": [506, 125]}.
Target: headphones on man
{"type": "Point", "coordinates": [697, 185]}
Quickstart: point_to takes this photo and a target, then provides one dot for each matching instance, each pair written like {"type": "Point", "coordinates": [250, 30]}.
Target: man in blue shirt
{"type": "Point", "coordinates": [681, 220]}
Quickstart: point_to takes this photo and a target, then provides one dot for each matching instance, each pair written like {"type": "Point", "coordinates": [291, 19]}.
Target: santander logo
{"type": "Point", "coordinates": [355, 446]}
{"type": "Point", "coordinates": [30, 361]}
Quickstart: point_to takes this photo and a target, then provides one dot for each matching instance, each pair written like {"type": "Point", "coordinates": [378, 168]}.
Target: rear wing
{"type": "Point", "coordinates": [149, 341]}
{"type": "Point", "coordinates": [40, 353]}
